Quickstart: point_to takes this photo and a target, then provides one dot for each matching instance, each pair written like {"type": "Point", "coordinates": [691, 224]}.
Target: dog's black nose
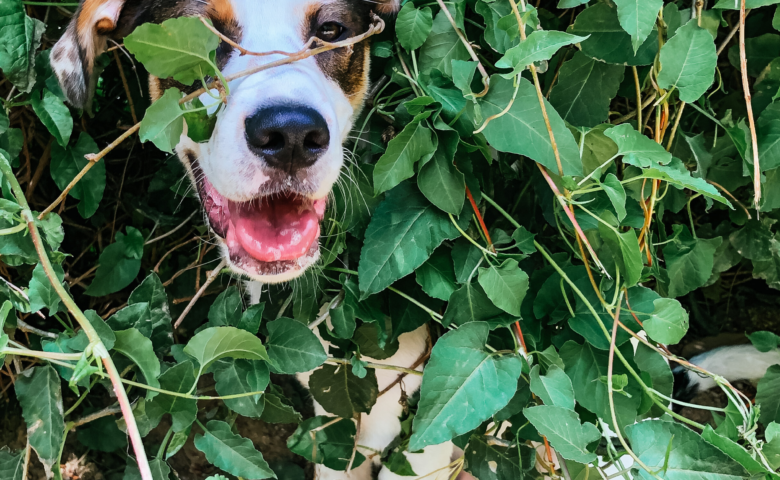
{"type": "Point", "coordinates": [288, 137]}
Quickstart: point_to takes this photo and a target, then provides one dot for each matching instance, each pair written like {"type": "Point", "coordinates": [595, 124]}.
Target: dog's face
{"type": "Point", "coordinates": [265, 174]}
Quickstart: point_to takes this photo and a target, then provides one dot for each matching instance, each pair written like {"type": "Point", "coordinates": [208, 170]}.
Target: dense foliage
{"type": "Point", "coordinates": [501, 186]}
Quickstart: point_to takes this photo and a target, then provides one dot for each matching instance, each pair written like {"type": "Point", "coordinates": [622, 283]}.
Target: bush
{"type": "Point", "coordinates": [507, 191]}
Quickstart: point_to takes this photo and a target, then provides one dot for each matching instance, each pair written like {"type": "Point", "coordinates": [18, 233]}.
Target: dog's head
{"type": "Point", "coordinates": [265, 174]}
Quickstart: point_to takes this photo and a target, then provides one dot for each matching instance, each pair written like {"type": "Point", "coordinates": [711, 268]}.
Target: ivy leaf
{"type": "Point", "coordinates": [680, 453]}
{"type": "Point", "coordinates": [436, 276]}
{"type": "Point", "coordinates": [11, 466]}
{"type": "Point", "coordinates": [182, 48]}
{"type": "Point", "coordinates": [237, 376]}
{"type": "Point", "coordinates": [397, 164]}
{"type": "Point", "coordinates": [554, 388]}
{"type": "Point", "coordinates": [522, 129]}
{"type": "Point", "coordinates": [388, 252]}
{"type": "Point", "coordinates": [54, 115]}
{"type": "Point", "coordinates": [688, 60]}
{"type": "Point", "coordinates": [293, 347]}
{"type": "Point", "coordinates": [180, 379]}
{"type": "Point", "coordinates": [413, 25]}
{"type": "Point", "coordinates": [637, 149]}
{"type": "Point", "coordinates": [39, 394]}
{"type": "Point", "coordinates": [608, 41]}
{"type": "Point", "coordinates": [488, 461]}
{"type": "Point", "coordinates": [505, 285]}
{"type": "Point", "coordinates": [67, 162]}
{"type": "Point", "coordinates": [41, 291]}
{"type": "Point", "coordinates": [341, 392]}
{"type": "Point", "coordinates": [120, 263]}
{"type": "Point", "coordinates": [668, 323]}
{"type": "Point", "coordinates": [20, 37]}
{"type": "Point", "coordinates": [689, 261]}
{"type": "Point", "coordinates": [471, 304]}
{"type": "Point", "coordinates": [232, 453]}
{"type": "Point", "coordinates": [768, 395]}
{"type": "Point", "coordinates": [441, 47]}
{"type": "Point", "coordinates": [133, 345]}
{"type": "Point", "coordinates": [330, 446]}
{"type": "Point", "coordinates": [563, 429]}
{"type": "Point", "coordinates": [439, 180]}
{"type": "Point", "coordinates": [452, 396]}
{"type": "Point", "coordinates": [214, 343]}
{"type": "Point", "coordinates": [637, 17]}
{"type": "Point", "coordinates": [163, 123]}
{"type": "Point", "coordinates": [538, 46]}
{"type": "Point", "coordinates": [585, 89]}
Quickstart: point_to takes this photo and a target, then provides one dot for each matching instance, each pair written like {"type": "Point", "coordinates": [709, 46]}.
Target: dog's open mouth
{"type": "Point", "coordinates": [268, 235]}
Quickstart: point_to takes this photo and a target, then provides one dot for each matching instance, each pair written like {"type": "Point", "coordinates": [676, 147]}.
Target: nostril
{"type": "Point", "coordinates": [316, 140]}
{"type": "Point", "coordinates": [270, 141]}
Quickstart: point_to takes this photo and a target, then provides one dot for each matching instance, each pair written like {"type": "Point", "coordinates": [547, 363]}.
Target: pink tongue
{"type": "Point", "coordinates": [276, 231]}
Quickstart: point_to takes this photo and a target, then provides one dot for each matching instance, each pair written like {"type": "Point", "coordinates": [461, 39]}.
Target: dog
{"type": "Point", "coordinates": [275, 153]}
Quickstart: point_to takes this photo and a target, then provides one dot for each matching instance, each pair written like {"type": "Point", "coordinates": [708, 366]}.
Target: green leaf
{"type": "Point", "coordinates": [20, 37]}
{"type": "Point", "coordinates": [439, 180]}
{"type": "Point", "coordinates": [769, 144]}
{"type": "Point", "coordinates": [39, 394]}
{"type": "Point", "coordinates": [160, 470]}
{"type": "Point", "coordinates": [616, 193]}
{"type": "Point", "coordinates": [668, 323]}
{"type": "Point", "coordinates": [624, 247]}
{"type": "Point", "coordinates": [680, 453]}
{"type": "Point", "coordinates": [413, 25]}
{"type": "Point", "coordinates": [441, 47]}
{"type": "Point", "coordinates": [688, 62]}
{"type": "Point", "coordinates": [452, 396]}
{"type": "Point", "coordinates": [182, 48]}
{"type": "Point", "coordinates": [397, 164]}
{"type": "Point", "coordinates": [522, 129]}
{"type": "Point", "coordinates": [637, 17]}
{"type": "Point", "coordinates": [463, 74]}
{"type": "Point", "coordinates": [232, 453]}
{"type": "Point", "coordinates": [277, 411]}
{"type": "Point", "coordinates": [238, 376]}
{"type": "Point", "coordinates": [226, 309]}
{"type": "Point", "coordinates": [293, 347]}
{"type": "Point", "coordinates": [120, 263]}
{"type": "Point", "coordinates": [608, 41]}
{"type": "Point", "coordinates": [471, 304]}
{"type": "Point", "coordinates": [41, 291]}
{"type": "Point", "coordinates": [102, 435]}
{"type": "Point", "coordinates": [505, 285]}
{"type": "Point", "coordinates": [11, 466]}
{"type": "Point", "coordinates": [330, 446]}
{"type": "Point", "coordinates": [54, 115]}
{"type": "Point", "coordinates": [540, 45]}
{"type": "Point", "coordinates": [499, 38]}
{"type": "Point", "coordinates": [733, 450]}
{"type": "Point", "coordinates": [689, 261]}
{"type": "Point", "coordinates": [133, 345]}
{"type": "Point", "coordinates": [214, 343]}
{"type": "Point", "coordinates": [152, 292]}
{"type": "Point", "coordinates": [341, 392]}
{"type": "Point", "coordinates": [389, 253]}
{"type": "Point", "coordinates": [563, 429]}
{"type": "Point", "coordinates": [554, 388]}
{"type": "Point", "coordinates": [163, 123]}
{"type": "Point", "coordinates": [488, 461]}
{"type": "Point", "coordinates": [637, 149]}
{"type": "Point", "coordinates": [585, 89]}
{"type": "Point", "coordinates": [436, 276]}
{"type": "Point", "coordinates": [180, 378]}
{"type": "Point", "coordinates": [764, 341]}
{"type": "Point", "coordinates": [759, 52]}
{"type": "Point", "coordinates": [677, 174]}
{"type": "Point", "coordinates": [768, 395]}
{"type": "Point", "coordinates": [67, 162]}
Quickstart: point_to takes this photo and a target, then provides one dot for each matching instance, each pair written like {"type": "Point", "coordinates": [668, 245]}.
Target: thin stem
{"type": "Point", "coordinates": [469, 48]}
{"type": "Point", "coordinates": [213, 276]}
{"type": "Point", "coordinates": [412, 300]}
{"type": "Point", "coordinates": [749, 106]}
{"type": "Point", "coordinates": [638, 99]}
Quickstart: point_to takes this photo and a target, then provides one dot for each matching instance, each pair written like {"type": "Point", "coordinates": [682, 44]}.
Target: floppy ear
{"type": "Point", "coordinates": [73, 56]}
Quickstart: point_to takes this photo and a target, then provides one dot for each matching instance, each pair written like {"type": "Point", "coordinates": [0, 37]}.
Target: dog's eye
{"type": "Point", "coordinates": [330, 31]}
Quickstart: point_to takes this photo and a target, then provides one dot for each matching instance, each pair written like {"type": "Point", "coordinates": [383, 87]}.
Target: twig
{"type": "Point", "coordinates": [181, 225]}
{"type": "Point", "coordinates": [723, 189]}
{"type": "Point", "coordinates": [26, 327]}
{"type": "Point", "coordinates": [100, 414]}
{"type": "Point", "coordinates": [749, 105]}
{"type": "Point", "coordinates": [674, 128]}
{"type": "Point", "coordinates": [27, 452]}
{"type": "Point", "coordinates": [42, 164]}
{"type": "Point", "coordinates": [213, 276]}
{"type": "Point", "coordinates": [636, 112]}
{"type": "Point", "coordinates": [638, 99]}
{"type": "Point", "coordinates": [469, 48]}
{"type": "Point", "coordinates": [376, 366]}
{"type": "Point", "coordinates": [127, 87]}
{"type": "Point", "coordinates": [730, 36]}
